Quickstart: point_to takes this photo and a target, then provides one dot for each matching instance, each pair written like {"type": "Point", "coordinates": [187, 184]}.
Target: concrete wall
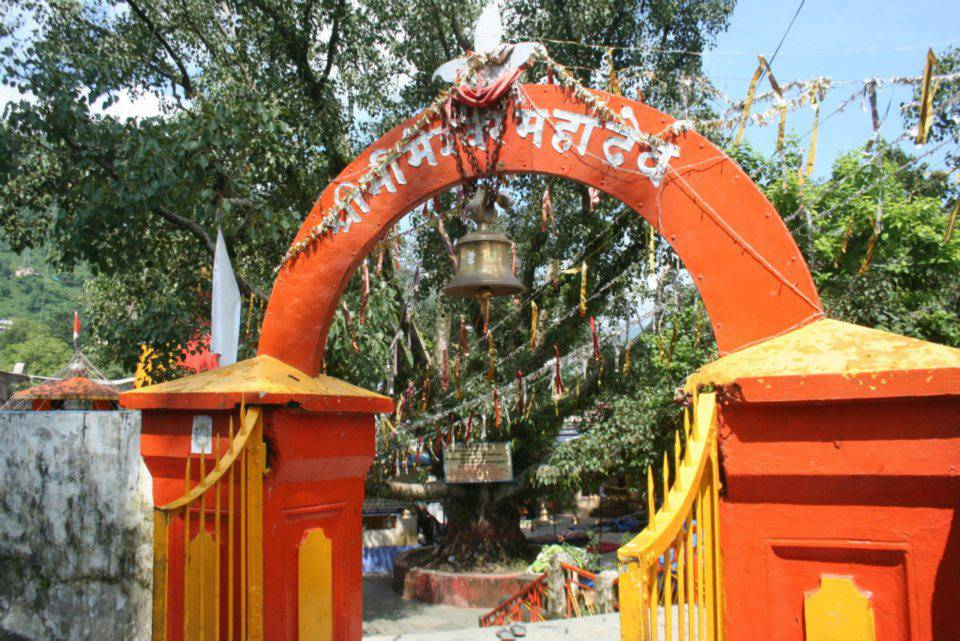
{"type": "Point", "coordinates": [404, 532]}
{"type": "Point", "coordinates": [75, 527]}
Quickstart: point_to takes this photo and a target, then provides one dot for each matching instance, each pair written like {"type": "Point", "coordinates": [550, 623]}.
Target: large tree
{"type": "Point", "coordinates": [263, 102]}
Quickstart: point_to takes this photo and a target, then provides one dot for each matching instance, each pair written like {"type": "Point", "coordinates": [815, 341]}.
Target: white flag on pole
{"type": "Point", "coordinates": [225, 308]}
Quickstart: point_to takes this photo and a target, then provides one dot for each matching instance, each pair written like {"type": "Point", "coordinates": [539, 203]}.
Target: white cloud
{"type": "Point", "coordinates": [128, 105]}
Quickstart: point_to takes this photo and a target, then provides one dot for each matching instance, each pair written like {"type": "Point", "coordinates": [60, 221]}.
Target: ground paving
{"type": "Point", "coordinates": [388, 615]}
{"type": "Point", "coordinates": [602, 627]}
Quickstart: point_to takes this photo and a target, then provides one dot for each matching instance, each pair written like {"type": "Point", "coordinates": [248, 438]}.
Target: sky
{"type": "Point", "coordinates": [846, 40]}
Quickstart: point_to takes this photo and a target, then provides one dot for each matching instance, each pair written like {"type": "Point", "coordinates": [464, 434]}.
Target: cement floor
{"type": "Point", "coordinates": [386, 615]}
{"type": "Point", "coordinates": [603, 627]}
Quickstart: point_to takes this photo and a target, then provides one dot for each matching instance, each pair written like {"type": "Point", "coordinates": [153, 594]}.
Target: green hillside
{"type": "Point", "coordinates": [40, 305]}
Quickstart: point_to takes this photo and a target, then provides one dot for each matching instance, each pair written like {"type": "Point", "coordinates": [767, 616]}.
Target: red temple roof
{"type": "Point", "coordinates": [76, 388]}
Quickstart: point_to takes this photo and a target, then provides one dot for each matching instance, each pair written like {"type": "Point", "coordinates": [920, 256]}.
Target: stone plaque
{"type": "Point", "coordinates": [478, 463]}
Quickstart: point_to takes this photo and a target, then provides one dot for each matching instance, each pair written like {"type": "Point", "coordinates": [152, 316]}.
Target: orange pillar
{"type": "Point", "coordinates": [841, 488]}
{"type": "Point", "coordinates": [319, 435]}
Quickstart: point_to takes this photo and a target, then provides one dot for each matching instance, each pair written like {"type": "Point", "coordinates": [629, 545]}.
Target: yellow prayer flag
{"type": "Point", "coordinates": [748, 102]}
{"type": "Point", "coordinates": [928, 91]}
{"type": "Point", "coordinates": [614, 81]}
{"type": "Point", "coordinates": [952, 223]}
{"type": "Point", "coordinates": [812, 153]}
{"type": "Point", "coordinates": [781, 103]}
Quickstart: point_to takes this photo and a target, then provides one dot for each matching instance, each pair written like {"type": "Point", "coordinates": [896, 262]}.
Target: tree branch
{"type": "Point", "coordinates": [430, 490]}
{"type": "Point", "coordinates": [298, 52]}
{"type": "Point", "coordinates": [333, 42]}
{"type": "Point", "coordinates": [522, 483]}
{"type": "Point", "coordinates": [458, 33]}
{"type": "Point", "coordinates": [185, 81]}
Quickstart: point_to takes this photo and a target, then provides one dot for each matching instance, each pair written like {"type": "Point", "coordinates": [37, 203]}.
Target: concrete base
{"type": "Point", "coordinates": [448, 588]}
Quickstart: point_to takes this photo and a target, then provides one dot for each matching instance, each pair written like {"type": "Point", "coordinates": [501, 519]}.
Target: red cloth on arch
{"type": "Point", "coordinates": [487, 94]}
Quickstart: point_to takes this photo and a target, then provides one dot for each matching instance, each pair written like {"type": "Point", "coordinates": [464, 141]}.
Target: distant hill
{"type": "Point", "coordinates": [41, 303]}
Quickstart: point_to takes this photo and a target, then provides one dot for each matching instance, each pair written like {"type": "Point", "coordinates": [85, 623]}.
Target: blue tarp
{"type": "Point", "coordinates": [380, 560]}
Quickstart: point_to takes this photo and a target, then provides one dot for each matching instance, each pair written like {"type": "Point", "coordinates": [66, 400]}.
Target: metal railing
{"type": "Point", "coordinates": [579, 586]}
{"type": "Point", "coordinates": [217, 592]}
{"type": "Point", "coordinates": [671, 573]}
{"type": "Point", "coordinates": [526, 605]}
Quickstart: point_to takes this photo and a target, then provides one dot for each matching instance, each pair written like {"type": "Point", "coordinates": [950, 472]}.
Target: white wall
{"type": "Point", "coordinates": [76, 538]}
{"type": "Point", "coordinates": [404, 532]}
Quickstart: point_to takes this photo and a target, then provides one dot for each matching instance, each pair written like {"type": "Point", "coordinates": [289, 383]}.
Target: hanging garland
{"type": "Point", "coordinates": [333, 216]}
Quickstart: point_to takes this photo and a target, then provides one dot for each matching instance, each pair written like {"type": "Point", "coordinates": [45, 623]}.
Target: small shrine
{"type": "Point", "coordinates": [78, 386]}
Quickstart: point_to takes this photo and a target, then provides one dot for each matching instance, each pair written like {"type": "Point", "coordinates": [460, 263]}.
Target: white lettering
{"type": "Point", "coordinates": [661, 162]}
{"type": "Point", "coordinates": [421, 148]}
{"type": "Point", "coordinates": [562, 140]}
{"type": "Point", "coordinates": [351, 215]}
{"type": "Point", "coordinates": [628, 136]}
{"type": "Point", "coordinates": [531, 122]}
{"type": "Point", "coordinates": [382, 178]}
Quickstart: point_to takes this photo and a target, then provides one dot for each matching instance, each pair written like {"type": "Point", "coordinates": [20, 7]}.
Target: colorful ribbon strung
{"type": "Point", "coordinates": [815, 97]}
{"type": "Point", "coordinates": [626, 359]}
{"type": "Point", "coordinates": [445, 374]}
{"type": "Point", "coordinates": [582, 270]}
{"type": "Point", "coordinates": [535, 324]}
{"type": "Point", "coordinates": [870, 90]}
{"type": "Point", "coordinates": [593, 196]}
{"type": "Point", "coordinates": [596, 341]}
{"type": "Point", "coordinates": [492, 372]}
{"type": "Point", "coordinates": [614, 81]}
{"type": "Point", "coordinates": [557, 380]}
{"type": "Point", "coordinates": [652, 251]}
{"type": "Point", "coordinates": [546, 209]}
{"type": "Point", "coordinates": [466, 436]}
{"type": "Point", "coordinates": [928, 91]}
{"type": "Point", "coordinates": [520, 392]}
{"type": "Point", "coordinates": [463, 347]}
{"type": "Point", "coordinates": [497, 412]}
{"type": "Point", "coordinates": [395, 240]}
{"type": "Point", "coordinates": [364, 291]}
{"type": "Point", "coordinates": [354, 336]}
{"type": "Point", "coordinates": [425, 399]}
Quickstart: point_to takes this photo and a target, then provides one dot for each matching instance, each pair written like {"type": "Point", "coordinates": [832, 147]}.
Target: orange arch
{"type": "Point", "coordinates": [752, 278]}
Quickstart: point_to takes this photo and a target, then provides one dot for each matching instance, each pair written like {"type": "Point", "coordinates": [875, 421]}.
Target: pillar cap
{"type": "Point", "coordinates": [262, 380]}
{"type": "Point", "coordinates": [833, 360]}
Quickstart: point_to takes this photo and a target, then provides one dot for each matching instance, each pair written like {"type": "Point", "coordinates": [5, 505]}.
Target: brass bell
{"type": "Point", "coordinates": [484, 261]}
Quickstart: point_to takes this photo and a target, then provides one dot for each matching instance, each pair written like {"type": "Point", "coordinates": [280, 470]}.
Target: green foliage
{"type": "Point", "coordinates": [38, 287]}
{"type": "Point", "coordinates": [580, 557]}
{"type": "Point", "coordinates": [873, 233]}
{"type": "Point", "coordinates": [32, 344]}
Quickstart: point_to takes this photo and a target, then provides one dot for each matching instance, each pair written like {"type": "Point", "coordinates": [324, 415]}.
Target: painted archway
{"type": "Point", "coordinates": [751, 276]}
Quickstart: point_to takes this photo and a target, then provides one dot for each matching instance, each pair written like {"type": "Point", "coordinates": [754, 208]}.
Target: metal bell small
{"type": "Point", "coordinates": [484, 258]}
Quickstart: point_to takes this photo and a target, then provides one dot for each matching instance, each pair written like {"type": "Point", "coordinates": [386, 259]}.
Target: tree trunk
{"type": "Point", "coordinates": [481, 532]}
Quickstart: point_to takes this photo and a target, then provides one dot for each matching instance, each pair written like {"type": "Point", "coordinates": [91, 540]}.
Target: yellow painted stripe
{"type": "Point", "coordinates": [161, 541]}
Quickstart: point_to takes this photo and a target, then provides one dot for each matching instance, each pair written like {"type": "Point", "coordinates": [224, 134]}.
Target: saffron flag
{"type": "Point", "coordinates": [76, 327]}
{"type": "Point", "coordinates": [225, 306]}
